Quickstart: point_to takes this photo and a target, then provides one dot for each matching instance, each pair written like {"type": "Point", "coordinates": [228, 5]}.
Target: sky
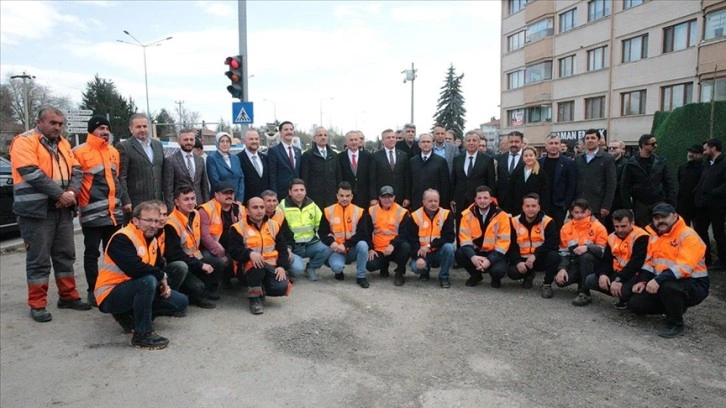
{"type": "Point", "coordinates": [343, 56]}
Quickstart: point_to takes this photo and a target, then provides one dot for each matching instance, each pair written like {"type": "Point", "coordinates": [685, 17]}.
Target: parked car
{"type": "Point", "coordinates": [8, 221]}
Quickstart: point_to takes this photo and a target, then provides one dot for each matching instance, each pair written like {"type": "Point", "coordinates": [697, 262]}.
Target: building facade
{"type": "Point", "coordinates": [572, 65]}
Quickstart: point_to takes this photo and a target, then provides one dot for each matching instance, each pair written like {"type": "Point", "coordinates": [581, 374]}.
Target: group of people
{"type": "Point", "coordinates": [175, 229]}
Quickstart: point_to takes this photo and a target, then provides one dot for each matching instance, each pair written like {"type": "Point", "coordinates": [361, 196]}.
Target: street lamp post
{"type": "Point", "coordinates": [143, 47]}
{"type": "Point", "coordinates": [321, 109]}
{"type": "Point", "coordinates": [410, 76]}
{"type": "Point", "coordinates": [26, 105]}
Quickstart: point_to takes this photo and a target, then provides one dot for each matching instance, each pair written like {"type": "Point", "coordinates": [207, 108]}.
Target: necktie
{"type": "Point", "coordinates": [190, 166]}
{"type": "Point", "coordinates": [257, 165]}
{"type": "Point", "coordinates": [511, 163]}
{"type": "Point", "coordinates": [354, 165]}
{"type": "Point", "coordinates": [471, 166]}
{"type": "Point", "coordinates": [291, 157]}
{"type": "Point", "coordinates": [324, 154]}
{"type": "Point", "coordinates": [391, 160]}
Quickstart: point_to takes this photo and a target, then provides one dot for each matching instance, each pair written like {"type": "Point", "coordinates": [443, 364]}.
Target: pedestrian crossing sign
{"type": "Point", "coordinates": [242, 112]}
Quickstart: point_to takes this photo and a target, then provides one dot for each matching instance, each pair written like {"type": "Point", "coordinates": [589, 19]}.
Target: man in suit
{"type": "Point", "coordinates": [284, 160]}
{"type": "Point", "coordinates": [408, 144]}
{"type": "Point", "coordinates": [390, 167]}
{"type": "Point", "coordinates": [321, 170]}
{"type": "Point", "coordinates": [184, 168]}
{"type": "Point", "coordinates": [355, 168]}
{"type": "Point", "coordinates": [442, 148]}
{"type": "Point", "coordinates": [428, 171]}
{"type": "Point", "coordinates": [596, 176]}
{"type": "Point", "coordinates": [254, 166]}
{"type": "Point", "coordinates": [509, 165]}
{"type": "Point", "coordinates": [471, 170]}
{"type": "Point", "coordinates": [562, 179]}
{"type": "Point", "coordinates": [142, 160]}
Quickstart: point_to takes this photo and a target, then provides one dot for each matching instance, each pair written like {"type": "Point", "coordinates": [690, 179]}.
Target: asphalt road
{"type": "Point", "coordinates": [333, 344]}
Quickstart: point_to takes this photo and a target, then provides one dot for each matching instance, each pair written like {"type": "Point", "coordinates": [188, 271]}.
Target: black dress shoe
{"type": "Point", "coordinates": [385, 274]}
{"type": "Point", "coordinates": [339, 276]}
{"type": "Point", "coordinates": [398, 279]}
{"type": "Point", "coordinates": [362, 282]}
{"type": "Point", "coordinates": [496, 283]}
{"type": "Point", "coordinates": [205, 303]}
{"type": "Point", "coordinates": [424, 277]}
{"type": "Point", "coordinates": [473, 280]}
{"type": "Point", "coordinates": [670, 330]}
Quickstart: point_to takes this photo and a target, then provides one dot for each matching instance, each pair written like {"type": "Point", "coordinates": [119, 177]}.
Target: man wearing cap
{"type": "Point", "coordinates": [223, 166]}
{"type": "Point", "coordinates": [388, 241]}
{"type": "Point", "coordinates": [102, 201]}
{"type": "Point", "coordinates": [674, 276]}
{"type": "Point", "coordinates": [217, 216]}
{"type": "Point", "coordinates": [689, 173]}
{"type": "Point", "coordinates": [183, 168]}
{"type": "Point", "coordinates": [646, 181]}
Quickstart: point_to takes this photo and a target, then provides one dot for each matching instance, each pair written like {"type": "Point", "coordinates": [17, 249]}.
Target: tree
{"type": "Point", "coordinates": [165, 125]}
{"type": "Point", "coordinates": [102, 97]}
{"type": "Point", "coordinates": [224, 126]}
{"type": "Point", "coordinates": [450, 110]}
{"type": "Point", "coordinates": [38, 95]}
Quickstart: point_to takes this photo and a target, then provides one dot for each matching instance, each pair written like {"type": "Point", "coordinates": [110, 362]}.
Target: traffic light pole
{"type": "Point", "coordinates": [242, 21]}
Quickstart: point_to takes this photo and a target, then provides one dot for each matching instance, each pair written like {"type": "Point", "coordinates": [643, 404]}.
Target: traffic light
{"type": "Point", "coordinates": [235, 75]}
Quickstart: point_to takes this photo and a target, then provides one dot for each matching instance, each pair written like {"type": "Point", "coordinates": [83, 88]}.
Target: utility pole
{"type": "Point", "coordinates": [26, 105]}
{"type": "Point", "coordinates": [242, 22]}
{"type": "Point", "coordinates": [180, 103]}
{"type": "Point", "coordinates": [410, 76]}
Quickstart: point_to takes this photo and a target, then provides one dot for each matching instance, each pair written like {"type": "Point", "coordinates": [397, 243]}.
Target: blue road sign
{"type": "Point", "coordinates": [243, 112]}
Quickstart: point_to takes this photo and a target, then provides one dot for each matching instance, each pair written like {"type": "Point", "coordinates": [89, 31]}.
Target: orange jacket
{"type": "Point", "coordinates": [587, 231]}
{"type": "Point", "coordinates": [41, 173]}
{"type": "Point", "coordinates": [385, 224]}
{"type": "Point", "coordinates": [497, 236]}
{"type": "Point", "coordinates": [529, 239]}
{"type": "Point", "coordinates": [190, 237]}
{"type": "Point", "coordinates": [343, 221]}
{"type": "Point", "coordinates": [679, 251]}
{"type": "Point", "coordinates": [110, 275]}
{"type": "Point", "coordinates": [101, 196]}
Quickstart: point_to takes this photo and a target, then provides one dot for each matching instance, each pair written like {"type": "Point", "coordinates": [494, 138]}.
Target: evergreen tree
{"type": "Point", "coordinates": [165, 125]}
{"type": "Point", "coordinates": [102, 97]}
{"type": "Point", "coordinates": [450, 110]}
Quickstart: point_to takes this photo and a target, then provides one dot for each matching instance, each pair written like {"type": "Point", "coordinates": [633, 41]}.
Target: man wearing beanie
{"type": "Point", "coordinates": [101, 201]}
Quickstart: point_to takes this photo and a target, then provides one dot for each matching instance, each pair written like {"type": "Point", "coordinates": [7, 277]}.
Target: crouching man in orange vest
{"type": "Point", "coordinates": [131, 284]}
{"type": "Point", "coordinates": [674, 276]}
{"type": "Point", "coordinates": [258, 245]}
{"type": "Point", "coordinates": [389, 243]}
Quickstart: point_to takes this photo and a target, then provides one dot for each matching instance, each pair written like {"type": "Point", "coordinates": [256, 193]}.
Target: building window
{"type": "Point", "coordinates": [635, 49]}
{"type": "Point", "coordinates": [516, 41]}
{"type": "Point", "coordinates": [566, 111]}
{"type": "Point", "coordinates": [633, 103]}
{"type": "Point", "coordinates": [709, 91]}
{"type": "Point", "coordinates": [516, 6]}
{"type": "Point", "coordinates": [567, 66]}
{"type": "Point", "coordinates": [539, 30]}
{"type": "Point", "coordinates": [597, 58]}
{"type": "Point", "coordinates": [631, 3]}
{"type": "Point", "coordinates": [597, 9]}
{"type": "Point", "coordinates": [568, 20]}
{"type": "Point", "coordinates": [675, 96]}
{"type": "Point", "coordinates": [679, 37]}
{"type": "Point", "coordinates": [715, 24]}
{"type": "Point", "coordinates": [515, 79]}
{"type": "Point", "coordinates": [595, 107]}
{"type": "Point", "coordinates": [538, 72]}
{"type": "Point", "coordinates": [538, 114]}
{"type": "Point", "coordinates": [516, 117]}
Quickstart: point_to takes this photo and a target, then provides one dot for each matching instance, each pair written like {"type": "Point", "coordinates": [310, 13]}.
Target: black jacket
{"type": "Point", "coordinates": [505, 185]}
{"type": "Point", "coordinates": [434, 173]}
{"type": "Point", "coordinates": [647, 187]}
{"type": "Point", "coordinates": [381, 175]}
{"type": "Point", "coordinates": [321, 175]}
{"type": "Point", "coordinates": [711, 189]}
{"type": "Point", "coordinates": [562, 193]}
{"type": "Point", "coordinates": [536, 183]}
{"type": "Point", "coordinates": [359, 179]}
{"type": "Point", "coordinates": [634, 265]}
{"type": "Point", "coordinates": [463, 186]}
{"type": "Point", "coordinates": [411, 151]}
{"type": "Point", "coordinates": [254, 184]}
{"type": "Point", "coordinates": [689, 174]}
{"type": "Point", "coordinates": [596, 180]}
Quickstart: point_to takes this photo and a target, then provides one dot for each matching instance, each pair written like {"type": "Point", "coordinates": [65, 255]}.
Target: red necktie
{"type": "Point", "coordinates": [355, 163]}
{"type": "Point", "coordinates": [291, 157]}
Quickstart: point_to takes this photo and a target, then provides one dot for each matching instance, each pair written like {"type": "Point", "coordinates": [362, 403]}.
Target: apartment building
{"type": "Point", "coordinates": [572, 65]}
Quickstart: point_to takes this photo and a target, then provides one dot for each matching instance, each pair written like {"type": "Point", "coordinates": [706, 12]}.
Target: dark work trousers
{"type": "Point", "coordinates": [715, 217]}
{"type": "Point", "coordinates": [399, 255]}
{"type": "Point", "coordinates": [497, 270]}
{"type": "Point", "coordinates": [673, 299]}
{"type": "Point", "coordinates": [198, 284]}
{"type": "Point", "coordinates": [626, 292]}
{"type": "Point", "coordinates": [579, 269]}
{"type": "Point", "coordinates": [92, 239]}
{"type": "Point", "coordinates": [263, 281]}
{"type": "Point", "coordinates": [547, 263]}
{"type": "Point", "coordinates": [642, 213]}
{"type": "Point", "coordinates": [558, 214]}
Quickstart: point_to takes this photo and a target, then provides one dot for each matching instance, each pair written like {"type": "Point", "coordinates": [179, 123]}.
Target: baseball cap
{"type": "Point", "coordinates": [223, 187]}
{"type": "Point", "coordinates": [663, 209]}
{"type": "Point", "coordinates": [386, 190]}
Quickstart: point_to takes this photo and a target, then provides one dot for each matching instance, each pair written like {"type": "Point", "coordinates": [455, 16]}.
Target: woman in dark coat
{"type": "Point", "coordinates": [532, 179]}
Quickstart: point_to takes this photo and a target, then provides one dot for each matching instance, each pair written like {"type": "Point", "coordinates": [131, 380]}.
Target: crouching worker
{"type": "Point", "coordinates": [258, 246]}
{"type": "Point", "coordinates": [131, 284]}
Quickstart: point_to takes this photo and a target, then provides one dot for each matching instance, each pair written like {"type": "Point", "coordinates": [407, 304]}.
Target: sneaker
{"type": "Point", "coordinates": [41, 315]}
{"type": "Point", "coordinates": [385, 274]}
{"type": "Point", "coordinates": [398, 279]}
{"type": "Point", "coordinates": [582, 299]}
{"type": "Point", "coordinates": [126, 320]}
{"type": "Point", "coordinates": [496, 283]}
{"type": "Point", "coordinates": [444, 283]}
{"type": "Point", "coordinates": [150, 341]}
{"type": "Point", "coordinates": [670, 330]}
{"type": "Point", "coordinates": [362, 282]}
{"type": "Point", "coordinates": [424, 277]}
{"type": "Point", "coordinates": [547, 291]}
{"type": "Point", "coordinates": [256, 306]}
{"type": "Point", "coordinates": [339, 276]}
{"type": "Point", "coordinates": [527, 281]}
{"type": "Point", "coordinates": [204, 303]}
{"type": "Point", "coordinates": [312, 274]}
{"type": "Point", "coordinates": [621, 305]}
{"type": "Point", "coordinates": [473, 280]}
{"type": "Point", "coordinates": [76, 304]}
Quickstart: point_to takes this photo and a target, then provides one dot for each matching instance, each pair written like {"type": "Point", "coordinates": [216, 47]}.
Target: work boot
{"type": "Point", "coordinates": [444, 283]}
{"type": "Point", "coordinates": [204, 303]}
{"type": "Point", "coordinates": [582, 299]}
{"type": "Point", "coordinates": [424, 277]}
{"type": "Point", "coordinates": [362, 282]}
{"type": "Point", "coordinates": [670, 330]}
{"type": "Point", "coordinates": [126, 320]}
{"type": "Point", "coordinates": [150, 341]}
{"type": "Point", "coordinates": [339, 276]}
{"type": "Point", "coordinates": [41, 315]}
{"type": "Point", "coordinates": [398, 279]}
{"type": "Point", "coordinates": [621, 305]}
{"type": "Point", "coordinates": [528, 279]}
{"type": "Point", "coordinates": [256, 306]}
{"type": "Point", "coordinates": [76, 304]}
{"type": "Point", "coordinates": [547, 291]}
{"type": "Point", "coordinates": [473, 280]}
{"type": "Point", "coordinates": [496, 283]}
{"type": "Point", "coordinates": [385, 273]}
{"type": "Point", "coordinates": [312, 274]}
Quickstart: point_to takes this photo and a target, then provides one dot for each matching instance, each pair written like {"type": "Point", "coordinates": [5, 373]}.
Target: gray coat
{"type": "Point", "coordinates": [140, 177]}
{"type": "Point", "coordinates": [176, 175]}
{"type": "Point", "coordinates": [596, 181]}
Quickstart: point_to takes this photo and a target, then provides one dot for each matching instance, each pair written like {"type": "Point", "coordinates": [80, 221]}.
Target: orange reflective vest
{"type": "Point", "coordinates": [680, 250]}
{"type": "Point", "coordinates": [343, 221]}
{"type": "Point", "coordinates": [278, 216]}
{"type": "Point", "coordinates": [190, 236]}
{"type": "Point", "coordinates": [41, 172]}
{"type": "Point", "coordinates": [622, 248]}
{"type": "Point", "coordinates": [428, 229]}
{"type": "Point", "coordinates": [582, 232]}
{"type": "Point", "coordinates": [260, 240]}
{"type": "Point", "coordinates": [213, 208]}
{"type": "Point", "coordinates": [99, 200]}
{"type": "Point", "coordinates": [385, 224]}
{"type": "Point", "coordinates": [498, 234]}
{"type": "Point", "coordinates": [110, 275]}
{"type": "Point", "coordinates": [529, 239]}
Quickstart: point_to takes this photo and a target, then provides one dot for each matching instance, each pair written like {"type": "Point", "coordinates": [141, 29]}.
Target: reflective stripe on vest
{"type": "Point", "coordinates": [429, 231]}
{"type": "Point", "coordinates": [622, 249]}
{"type": "Point", "coordinates": [342, 226]}
{"type": "Point", "coordinates": [385, 228]}
{"type": "Point", "coordinates": [303, 222]}
{"type": "Point", "coordinates": [190, 237]}
{"type": "Point", "coordinates": [214, 212]}
{"type": "Point", "coordinates": [261, 241]}
{"type": "Point", "coordinates": [527, 241]}
{"type": "Point", "coordinates": [661, 259]}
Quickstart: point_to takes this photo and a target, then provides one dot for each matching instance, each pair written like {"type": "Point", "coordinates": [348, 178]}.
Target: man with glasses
{"type": "Point", "coordinates": [646, 181]}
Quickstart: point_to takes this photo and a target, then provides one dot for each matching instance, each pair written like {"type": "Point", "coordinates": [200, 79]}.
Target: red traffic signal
{"type": "Point", "coordinates": [235, 76]}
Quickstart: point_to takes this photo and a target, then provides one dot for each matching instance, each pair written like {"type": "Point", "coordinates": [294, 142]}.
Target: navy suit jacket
{"type": "Point", "coordinates": [562, 193]}
{"type": "Point", "coordinates": [281, 174]}
{"type": "Point", "coordinates": [218, 171]}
